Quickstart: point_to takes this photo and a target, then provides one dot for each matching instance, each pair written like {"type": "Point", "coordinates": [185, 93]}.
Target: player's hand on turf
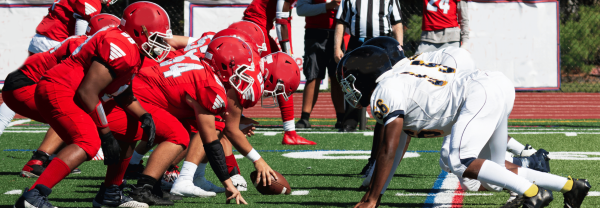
{"type": "Point", "coordinates": [367, 204]}
{"type": "Point", "coordinates": [110, 148]}
{"type": "Point", "coordinates": [233, 194]}
{"type": "Point", "coordinates": [265, 173]}
{"type": "Point", "coordinates": [149, 128]}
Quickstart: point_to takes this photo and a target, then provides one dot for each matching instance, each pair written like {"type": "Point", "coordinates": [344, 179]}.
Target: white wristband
{"type": "Point", "coordinates": [253, 155]}
{"type": "Point", "coordinates": [282, 15]}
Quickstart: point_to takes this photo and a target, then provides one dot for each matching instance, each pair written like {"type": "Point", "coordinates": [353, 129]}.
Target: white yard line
{"type": "Point", "coordinates": [14, 192]}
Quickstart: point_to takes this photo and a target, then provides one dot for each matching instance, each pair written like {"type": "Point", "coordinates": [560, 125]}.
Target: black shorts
{"type": "Point", "coordinates": [318, 54]}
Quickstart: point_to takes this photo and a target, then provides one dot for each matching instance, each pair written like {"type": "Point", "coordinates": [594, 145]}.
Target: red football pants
{"type": "Point", "coordinates": [22, 101]}
{"type": "Point", "coordinates": [57, 106]}
{"type": "Point", "coordinates": [127, 128]}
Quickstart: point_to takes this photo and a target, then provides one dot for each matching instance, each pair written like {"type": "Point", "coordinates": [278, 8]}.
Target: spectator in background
{"type": "Point", "coordinates": [318, 55]}
{"type": "Point", "coordinates": [382, 18]}
{"type": "Point", "coordinates": [441, 25]}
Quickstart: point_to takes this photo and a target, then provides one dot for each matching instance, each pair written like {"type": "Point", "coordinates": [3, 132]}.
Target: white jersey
{"type": "Point", "coordinates": [428, 95]}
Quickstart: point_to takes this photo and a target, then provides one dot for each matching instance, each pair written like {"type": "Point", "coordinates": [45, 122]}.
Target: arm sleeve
{"type": "Point", "coordinates": [81, 25]}
{"type": "Point", "coordinates": [464, 20]}
{"type": "Point", "coordinates": [306, 9]}
{"type": "Point", "coordinates": [343, 14]}
{"type": "Point", "coordinates": [386, 105]}
{"type": "Point", "coordinates": [396, 12]}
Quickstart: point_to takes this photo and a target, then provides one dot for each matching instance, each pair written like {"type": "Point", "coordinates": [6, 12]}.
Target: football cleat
{"type": "Point", "coordinates": [538, 161]}
{"type": "Point", "coordinates": [302, 124]}
{"type": "Point", "coordinates": [134, 170]}
{"type": "Point", "coordinates": [207, 185]}
{"type": "Point", "coordinates": [36, 165]}
{"type": "Point", "coordinates": [239, 182]}
{"type": "Point", "coordinates": [292, 138]}
{"type": "Point", "coordinates": [170, 176]}
{"type": "Point", "coordinates": [113, 197]}
{"type": "Point", "coordinates": [188, 189]}
{"type": "Point", "coordinates": [76, 171]}
{"type": "Point", "coordinates": [515, 201]}
{"type": "Point", "coordinates": [575, 196]}
{"type": "Point", "coordinates": [541, 199]}
{"type": "Point", "coordinates": [367, 167]}
{"type": "Point", "coordinates": [37, 197]}
{"type": "Point", "coordinates": [528, 151]}
{"type": "Point", "coordinates": [144, 194]}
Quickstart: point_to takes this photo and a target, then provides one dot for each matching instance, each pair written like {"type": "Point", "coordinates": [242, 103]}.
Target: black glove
{"type": "Point", "coordinates": [110, 148]}
{"type": "Point", "coordinates": [149, 128]}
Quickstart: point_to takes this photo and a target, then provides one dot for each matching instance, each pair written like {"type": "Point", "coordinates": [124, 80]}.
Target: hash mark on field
{"type": "Point", "coordinates": [571, 134]}
{"type": "Point", "coordinates": [14, 192]}
{"type": "Point", "coordinates": [594, 193]}
{"type": "Point", "coordinates": [270, 133]}
{"type": "Point", "coordinates": [300, 192]}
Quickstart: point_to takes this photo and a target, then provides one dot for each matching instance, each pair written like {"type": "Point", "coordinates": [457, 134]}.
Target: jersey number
{"type": "Point", "coordinates": [176, 69]}
{"type": "Point", "coordinates": [382, 109]}
{"type": "Point", "coordinates": [444, 6]}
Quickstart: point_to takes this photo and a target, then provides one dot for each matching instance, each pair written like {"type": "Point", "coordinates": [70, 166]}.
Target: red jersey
{"type": "Point", "coordinates": [254, 93]}
{"type": "Point", "coordinates": [36, 65]}
{"type": "Point", "coordinates": [110, 46]}
{"type": "Point", "coordinates": [59, 24]}
{"type": "Point", "coordinates": [262, 12]}
{"type": "Point", "coordinates": [321, 21]}
{"type": "Point", "coordinates": [195, 47]}
{"type": "Point", "coordinates": [166, 86]}
{"type": "Point", "coordinates": [439, 14]}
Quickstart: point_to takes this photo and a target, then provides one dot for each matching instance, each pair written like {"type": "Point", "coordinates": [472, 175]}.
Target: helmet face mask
{"type": "Point", "coordinates": [351, 94]}
{"type": "Point", "coordinates": [279, 90]}
{"type": "Point", "coordinates": [240, 77]}
{"type": "Point", "coordinates": [156, 47]}
{"type": "Point", "coordinates": [281, 77]}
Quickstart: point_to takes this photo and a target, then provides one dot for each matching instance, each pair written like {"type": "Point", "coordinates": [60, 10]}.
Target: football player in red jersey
{"type": "Point", "coordinates": [65, 18]}
{"type": "Point", "coordinates": [68, 97]}
{"type": "Point", "coordinates": [257, 26]}
{"type": "Point", "coordinates": [181, 89]}
{"type": "Point", "coordinates": [19, 89]}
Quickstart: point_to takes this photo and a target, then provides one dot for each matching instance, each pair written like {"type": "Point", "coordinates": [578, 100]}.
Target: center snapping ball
{"type": "Point", "coordinates": [279, 186]}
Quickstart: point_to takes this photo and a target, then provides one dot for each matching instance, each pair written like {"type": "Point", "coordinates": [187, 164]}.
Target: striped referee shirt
{"type": "Point", "coordinates": [369, 18]}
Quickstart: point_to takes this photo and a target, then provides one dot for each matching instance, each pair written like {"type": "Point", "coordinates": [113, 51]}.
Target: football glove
{"type": "Point", "coordinates": [110, 148]}
{"type": "Point", "coordinates": [149, 128]}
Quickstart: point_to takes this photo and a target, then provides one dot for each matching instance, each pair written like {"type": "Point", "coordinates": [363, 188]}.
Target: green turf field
{"type": "Point", "coordinates": [331, 182]}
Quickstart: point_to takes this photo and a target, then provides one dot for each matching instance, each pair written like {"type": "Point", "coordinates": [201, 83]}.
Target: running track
{"type": "Point", "coordinates": [527, 106]}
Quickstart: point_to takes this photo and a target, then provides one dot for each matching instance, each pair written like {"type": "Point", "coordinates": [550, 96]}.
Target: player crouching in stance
{"type": "Point", "coordinates": [68, 98]}
{"type": "Point", "coordinates": [431, 100]}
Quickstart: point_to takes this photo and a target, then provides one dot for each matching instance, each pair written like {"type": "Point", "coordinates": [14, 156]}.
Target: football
{"type": "Point", "coordinates": [279, 186]}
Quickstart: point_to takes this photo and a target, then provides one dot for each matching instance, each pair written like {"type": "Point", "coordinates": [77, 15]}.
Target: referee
{"type": "Point", "coordinates": [365, 19]}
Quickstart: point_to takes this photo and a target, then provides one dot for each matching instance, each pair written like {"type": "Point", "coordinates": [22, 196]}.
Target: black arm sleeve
{"type": "Point", "coordinates": [216, 158]}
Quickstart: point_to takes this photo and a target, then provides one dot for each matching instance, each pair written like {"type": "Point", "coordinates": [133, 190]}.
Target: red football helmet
{"type": "Point", "coordinates": [148, 24]}
{"type": "Point", "coordinates": [253, 31]}
{"type": "Point", "coordinates": [238, 34]}
{"type": "Point", "coordinates": [101, 20]}
{"type": "Point", "coordinates": [231, 57]}
{"type": "Point", "coordinates": [282, 77]}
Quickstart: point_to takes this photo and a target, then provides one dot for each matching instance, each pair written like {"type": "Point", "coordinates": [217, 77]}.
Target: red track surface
{"type": "Point", "coordinates": [527, 106]}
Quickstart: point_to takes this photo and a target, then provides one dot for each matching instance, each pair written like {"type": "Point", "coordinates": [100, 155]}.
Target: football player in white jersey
{"type": "Point", "coordinates": [430, 100]}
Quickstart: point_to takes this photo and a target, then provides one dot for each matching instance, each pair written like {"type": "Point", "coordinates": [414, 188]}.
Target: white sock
{"type": "Point", "coordinates": [6, 115]}
{"type": "Point", "coordinates": [136, 157]}
{"type": "Point", "coordinates": [200, 170]}
{"type": "Point", "coordinates": [289, 125]}
{"type": "Point", "coordinates": [187, 171]}
{"type": "Point", "coordinates": [545, 180]}
{"type": "Point", "coordinates": [515, 146]}
{"type": "Point", "coordinates": [495, 174]}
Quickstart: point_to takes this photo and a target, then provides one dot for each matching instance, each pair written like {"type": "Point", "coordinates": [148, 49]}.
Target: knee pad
{"type": "Point", "coordinates": [491, 187]}
{"type": "Point", "coordinates": [468, 184]}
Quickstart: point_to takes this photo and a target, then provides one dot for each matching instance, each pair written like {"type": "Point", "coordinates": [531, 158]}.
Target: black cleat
{"type": "Point", "coordinates": [113, 197]}
{"type": "Point", "coordinates": [514, 203]}
{"type": "Point", "coordinates": [36, 165]}
{"type": "Point", "coordinates": [37, 197]}
{"type": "Point", "coordinates": [76, 171]}
{"type": "Point", "coordinates": [541, 199]}
{"type": "Point", "coordinates": [144, 194]}
{"type": "Point", "coordinates": [367, 167]}
{"type": "Point", "coordinates": [338, 125]}
{"type": "Point", "coordinates": [575, 196]}
{"type": "Point", "coordinates": [302, 124]}
{"type": "Point", "coordinates": [347, 128]}
{"type": "Point", "coordinates": [134, 171]}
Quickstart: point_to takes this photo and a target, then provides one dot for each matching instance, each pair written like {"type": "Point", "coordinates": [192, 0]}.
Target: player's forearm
{"type": "Point", "coordinates": [339, 36]}
{"type": "Point", "coordinates": [385, 156]}
{"type": "Point", "coordinates": [237, 138]}
{"type": "Point", "coordinates": [177, 41]}
{"type": "Point", "coordinates": [398, 33]}
{"type": "Point", "coordinates": [135, 109]}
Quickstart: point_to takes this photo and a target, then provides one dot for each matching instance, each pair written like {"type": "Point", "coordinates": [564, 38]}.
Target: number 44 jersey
{"type": "Point", "coordinates": [428, 95]}
{"type": "Point", "coordinates": [166, 86]}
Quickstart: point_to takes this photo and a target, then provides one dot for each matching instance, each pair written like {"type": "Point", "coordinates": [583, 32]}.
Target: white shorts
{"type": "Point", "coordinates": [40, 43]}
{"type": "Point", "coordinates": [482, 125]}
